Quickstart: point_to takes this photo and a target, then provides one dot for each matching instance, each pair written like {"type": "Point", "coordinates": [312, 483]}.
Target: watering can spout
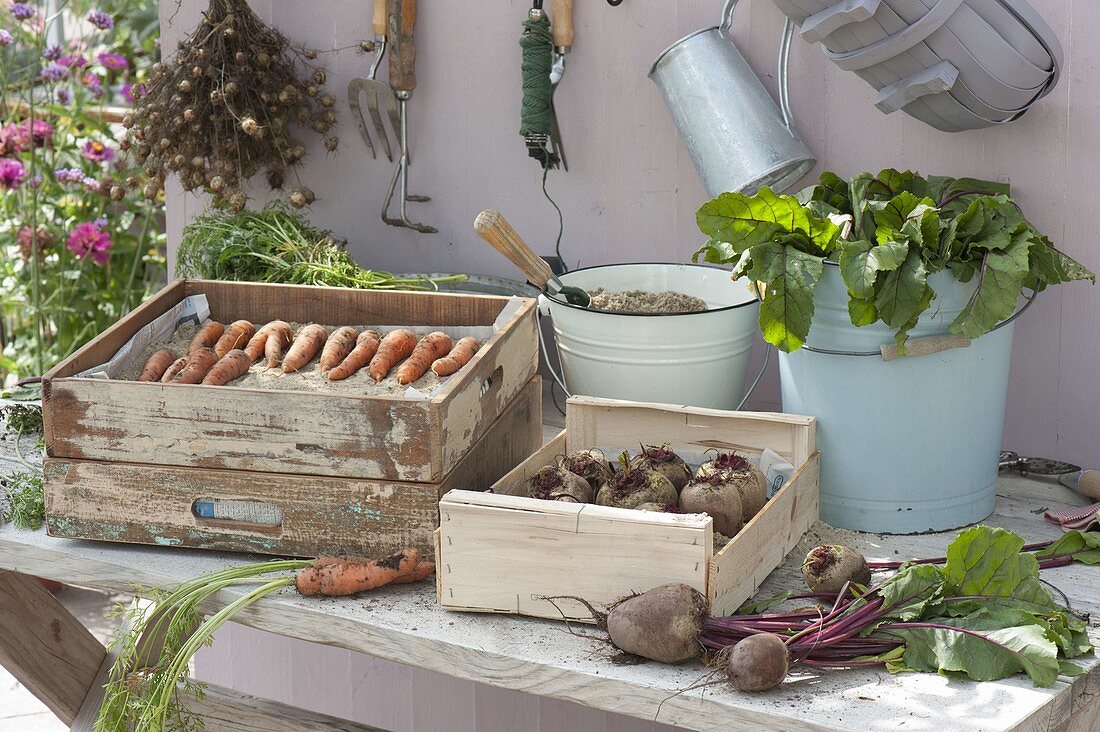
{"type": "Point", "coordinates": [737, 137]}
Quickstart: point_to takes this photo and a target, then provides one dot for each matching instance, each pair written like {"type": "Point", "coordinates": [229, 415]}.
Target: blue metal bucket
{"type": "Point", "coordinates": [908, 445]}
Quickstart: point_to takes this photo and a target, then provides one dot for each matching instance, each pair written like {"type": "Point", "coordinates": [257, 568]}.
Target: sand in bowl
{"type": "Point", "coordinates": [308, 378]}
{"type": "Point", "coordinates": [641, 301]}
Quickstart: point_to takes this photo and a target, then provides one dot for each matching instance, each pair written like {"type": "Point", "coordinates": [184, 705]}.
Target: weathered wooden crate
{"type": "Point", "coordinates": [500, 552]}
{"type": "Point", "coordinates": [309, 433]}
{"type": "Point", "coordinates": [291, 515]}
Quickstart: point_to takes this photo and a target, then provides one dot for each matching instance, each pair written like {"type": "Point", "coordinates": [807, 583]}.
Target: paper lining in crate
{"type": "Point", "coordinates": [506, 553]}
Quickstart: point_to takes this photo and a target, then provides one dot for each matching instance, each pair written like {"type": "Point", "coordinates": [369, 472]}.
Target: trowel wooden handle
{"type": "Point", "coordinates": [925, 346]}
{"type": "Point", "coordinates": [401, 17]}
{"type": "Point", "coordinates": [561, 22]}
{"type": "Point", "coordinates": [1089, 484]}
{"type": "Point", "coordinates": [495, 229]}
{"type": "Point", "coordinates": [379, 21]}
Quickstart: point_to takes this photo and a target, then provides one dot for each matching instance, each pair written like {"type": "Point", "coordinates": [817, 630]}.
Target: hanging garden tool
{"type": "Point", "coordinates": [401, 19]}
{"type": "Point", "coordinates": [544, 48]}
{"type": "Point", "coordinates": [379, 95]}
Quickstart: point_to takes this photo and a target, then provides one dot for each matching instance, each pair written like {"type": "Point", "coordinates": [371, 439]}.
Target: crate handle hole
{"type": "Point", "coordinates": [232, 512]}
{"type": "Point", "coordinates": [492, 383]}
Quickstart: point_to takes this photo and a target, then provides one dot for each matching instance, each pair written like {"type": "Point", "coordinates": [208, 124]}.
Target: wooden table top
{"type": "Point", "coordinates": [542, 657]}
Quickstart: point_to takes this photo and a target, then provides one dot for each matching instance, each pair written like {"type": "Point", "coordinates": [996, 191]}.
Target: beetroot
{"type": "Point", "coordinates": [554, 484]}
{"type": "Point", "coordinates": [729, 467]}
{"type": "Point", "coordinates": [758, 663]}
{"type": "Point", "coordinates": [636, 484]}
{"type": "Point", "coordinates": [827, 568]}
{"type": "Point", "coordinates": [664, 461]}
{"type": "Point", "coordinates": [719, 500]}
{"type": "Point", "coordinates": [661, 625]}
{"type": "Point", "coordinates": [592, 465]}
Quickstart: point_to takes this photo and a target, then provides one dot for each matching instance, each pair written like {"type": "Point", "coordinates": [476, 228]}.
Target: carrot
{"type": "Point", "coordinates": [395, 346]}
{"type": "Point", "coordinates": [431, 347]}
{"type": "Point", "coordinates": [198, 364]}
{"type": "Point", "coordinates": [366, 345]}
{"type": "Point", "coordinates": [420, 572]}
{"type": "Point", "coordinates": [280, 334]}
{"type": "Point", "coordinates": [157, 364]}
{"type": "Point", "coordinates": [459, 356]}
{"type": "Point", "coordinates": [342, 577]}
{"type": "Point", "coordinates": [207, 336]}
{"type": "Point", "coordinates": [231, 366]}
{"type": "Point", "coordinates": [309, 341]}
{"type": "Point", "coordinates": [174, 369]}
{"type": "Point", "coordinates": [337, 347]}
{"type": "Point", "coordinates": [236, 335]}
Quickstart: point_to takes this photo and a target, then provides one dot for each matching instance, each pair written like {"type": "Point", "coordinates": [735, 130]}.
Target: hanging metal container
{"type": "Point", "coordinates": [738, 138]}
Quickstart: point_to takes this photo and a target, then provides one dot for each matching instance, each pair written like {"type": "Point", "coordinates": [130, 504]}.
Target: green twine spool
{"type": "Point", "coordinates": [537, 46]}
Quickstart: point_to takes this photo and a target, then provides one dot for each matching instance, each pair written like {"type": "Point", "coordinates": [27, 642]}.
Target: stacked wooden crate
{"type": "Point", "coordinates": [321, 472]}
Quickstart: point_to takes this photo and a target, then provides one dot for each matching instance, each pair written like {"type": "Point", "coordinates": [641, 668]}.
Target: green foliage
{"type": "Point", "coordinates": [56, 291]}
{"type": "Point", "coordinates": [888, 232]}
{"type": "Point", "coordinates": [26, 503]}
{"type": "Point", "coordinates": [275, 245]}
{"type": "Point", "coordinates": [144, 692]}
{"type": "Point", "coordinates": [22, 418]}
{"type": "Point", "coordinates": [984, 613]}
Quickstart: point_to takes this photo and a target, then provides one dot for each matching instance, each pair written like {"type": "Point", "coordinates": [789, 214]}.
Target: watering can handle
{"type": "Point", "coordinates": [784, 60]}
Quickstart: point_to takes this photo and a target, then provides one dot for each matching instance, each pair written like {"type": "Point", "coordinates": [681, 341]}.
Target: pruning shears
{"type": "Point", "coordinates": [1034, 466]}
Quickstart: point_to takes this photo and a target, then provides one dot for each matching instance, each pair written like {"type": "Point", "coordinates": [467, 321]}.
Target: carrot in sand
{"type": "Point", "coordinates": [339, 577]}
{"type": "Point", "coordinates": [309, 341]}
{"type": "Point", "coordinates": [337, 348]}
{"type": "Point", "coordinates": [431, 347]}
{"type": "Point", "coordinates": [366, 345]}
{"type": "Point", "coordinates": [459, 356]}
{"type": "Point", "coordinates": [230, 366]}
{"type": "Point", "coordinates": [207, 336]}
{"type": "Point", "coordinates": [198, 364]}
{"type": "Point", "coordinates": [236, 335]}
{"type": "Point", "coordinates": [157, 364]}
{"type": "Point", "coordinates": [279, 337]}
{"type": "Point", "coordinates": [174, 369]}
{"type": "Point", "coordinates": [395, 346]}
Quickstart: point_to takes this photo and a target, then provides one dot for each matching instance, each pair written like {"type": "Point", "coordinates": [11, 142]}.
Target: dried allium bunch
{"type": "Point", "coordinates": [223, 108]}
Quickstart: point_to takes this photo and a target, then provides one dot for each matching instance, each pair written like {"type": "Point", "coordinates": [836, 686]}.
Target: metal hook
{"type": "Point", "coordinates": [614, 3]}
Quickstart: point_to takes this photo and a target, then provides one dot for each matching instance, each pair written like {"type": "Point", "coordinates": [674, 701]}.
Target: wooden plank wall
{"type": "Point", "coordinates": [631, 191]}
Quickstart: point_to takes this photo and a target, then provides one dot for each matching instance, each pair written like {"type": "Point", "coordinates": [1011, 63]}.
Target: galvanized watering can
{"type": "Point", "coordinates": [737, 137]}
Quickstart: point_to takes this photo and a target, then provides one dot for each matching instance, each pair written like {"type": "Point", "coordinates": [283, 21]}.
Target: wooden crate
{"type": "Point", "coordinates": [303, 432]}
{"type": "Point", "coordinates": [153, 504]}
{"type": "Point", "coordinates": [500, 552]}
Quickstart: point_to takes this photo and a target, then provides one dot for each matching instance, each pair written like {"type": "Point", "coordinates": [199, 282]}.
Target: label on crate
{"type": "Point", "coordinates": [248, 512]}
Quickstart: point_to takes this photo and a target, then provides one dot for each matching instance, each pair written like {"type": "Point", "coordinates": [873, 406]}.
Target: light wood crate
{"type": "Point", "coordinates": [503, 552]}
{"type": "Point", "coordinates": [303, 432]}
{"type": "Point", "coordinates": [153, 504]}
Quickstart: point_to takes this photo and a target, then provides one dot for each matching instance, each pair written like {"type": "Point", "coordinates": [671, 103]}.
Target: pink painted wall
{"type": "Point", "coordinates": [631, 191]}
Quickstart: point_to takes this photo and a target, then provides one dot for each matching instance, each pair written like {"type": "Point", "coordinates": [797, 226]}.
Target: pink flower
{"type": "Point", "coordinates": [16, 138]}
{"type": "Point", "coordinates": [12, 173]}
{"type": "Point", "coordinates": [25, 238]}
{"type": "Point", "coordinates": [96, 151]}
{"type": "Point", "coordinates": [5, 38]}
{"type": "Point", "coordinates": [113, 61]}
{"type": "Point", "coordinates": [72, 61]}
{"type": "Point", "coordinates": [89, 239]}
{"type": "Point", "coordinates": [127, 93]}
{"type": "Point", "coordinates": [93, 84]}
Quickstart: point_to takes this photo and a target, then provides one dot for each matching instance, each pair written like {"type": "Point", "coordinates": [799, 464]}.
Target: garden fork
{"type": "Point", "coordinates": [401, 17]}
{"type": "Point", "coordinates": [378, 93]}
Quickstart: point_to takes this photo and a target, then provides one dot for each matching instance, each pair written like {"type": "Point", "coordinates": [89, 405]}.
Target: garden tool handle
{"type": "Point", "coordinates": [379, 20]}
{"type": "Point", "coordinates": [495, 229]}
{"type": "Point", "coordinates": [561, 18]}
{"type": "Point", "coordinates": [1089, 484]}
{"type": "Point", "coordinates": [401, 17]}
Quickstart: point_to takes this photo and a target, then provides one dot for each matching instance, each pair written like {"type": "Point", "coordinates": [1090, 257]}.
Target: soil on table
{"type": "Point", "coordinates": [641, 301]}
{"type": "Point", "coordinates": [307, 379]}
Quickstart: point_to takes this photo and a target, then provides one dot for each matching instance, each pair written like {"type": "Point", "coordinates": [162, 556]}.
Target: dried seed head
{"type": "Point", "coordinates": [132, 182]}
{"type": "Point", "coordinates": [184, 87]}
{"type": "Point", "coordinates": [128, 120]}
{"type": "Point", "coordinates": [275, 178]}
{"type": "Point", "coordinates": [165, 143]}
{"type": "Point", "coordinates": [240, 57]}
{"type": "Point", "coordinates": [150, 190]}
{"type": "Point", "coordinates": [232, 88]}
{"type": "Point", "coordinates": [124, 144]}
{"type": "Point", "coordinates": [197, 72]}
{"type": "Point", "coordinates": [319, 77]}
{"type": "Point", "coordinates": [117, 193]}
{"type": "Point", "coordinates": [189, 114]}
{"type": "Point", "coordinates": [230, 32]}
{"type": "Point", "coordinates": [327, 100]}
{"type": "Point", "coordinates": [263, 59]}
{"type": "Point", "coordinates": [198, 162]}
{"type": "Point", "coordinates": [297, 199]}
{"type": "Point", "coordinates": [329, 117]}
{"type": "Point", "coordinates": [366, 46]}
{"type": "Point", "coordinates": [331, 143]}
{"type": "Point", "coordinates": [312, 90]}
{"type": "Point", "coordinates": [237, 201]}
{"type": "Point", "coordinates": [250, 127]}
{"type": "Point", "coordinates": [179, 161]}
{"type": "Point", "coordinates": [311, 54]}
{"type": "Point", "coordinates": [216, 96]}
{"type": "Point", "coordinates": [217, 184]}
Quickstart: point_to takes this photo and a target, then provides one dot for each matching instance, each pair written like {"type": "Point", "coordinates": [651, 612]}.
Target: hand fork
{"type": "Point", "coordinates": [378, 93]}
{"type": "Point", "coordinates": [401, 16]}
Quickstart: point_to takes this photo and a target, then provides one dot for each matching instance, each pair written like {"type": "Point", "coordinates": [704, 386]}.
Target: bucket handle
{"type": "Point", "coordinates": [784, 61]}
{"type": "Point", "coordinates": [560, 380]}
{"type": "Point", "coordinates": [928, 344]}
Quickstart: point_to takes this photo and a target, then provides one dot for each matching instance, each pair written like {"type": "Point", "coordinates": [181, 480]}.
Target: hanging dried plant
{"type": "Point", "coordinates": [226, 106]}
